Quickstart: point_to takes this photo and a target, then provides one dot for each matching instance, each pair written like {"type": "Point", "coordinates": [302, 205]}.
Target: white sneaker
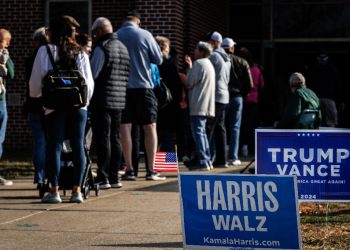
{"type": "Point", "coordinates": [245, 150]}
{"type": "Point", "coordinates": [237, 162]}
{"type": "Point", "coordinates": [234, 162]}
{"type": "Point", "coordinates": [5, 182]}
{"type": "Point", "coordinates": [94, 174]}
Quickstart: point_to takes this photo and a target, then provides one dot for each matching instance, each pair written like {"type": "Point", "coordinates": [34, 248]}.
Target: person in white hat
{"type": "Point", "coordinates": [216, 125]}
{"type": "Point", "coordinates": [239, 86]}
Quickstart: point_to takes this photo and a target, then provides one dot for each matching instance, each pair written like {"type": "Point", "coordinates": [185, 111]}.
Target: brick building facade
{"type": "Point", "coordinates": [184, 22]}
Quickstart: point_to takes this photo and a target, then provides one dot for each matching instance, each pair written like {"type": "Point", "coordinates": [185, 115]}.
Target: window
{"type": "Point", "coordinates": [79, 9]}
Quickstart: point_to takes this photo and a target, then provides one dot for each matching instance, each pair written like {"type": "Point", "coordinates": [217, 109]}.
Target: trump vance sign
{"type": "Point", "coordinates": [319, 159]}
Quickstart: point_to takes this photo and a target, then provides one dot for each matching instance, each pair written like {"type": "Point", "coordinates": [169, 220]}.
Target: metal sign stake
{"type": "Point", "coordinates": [325, 229]}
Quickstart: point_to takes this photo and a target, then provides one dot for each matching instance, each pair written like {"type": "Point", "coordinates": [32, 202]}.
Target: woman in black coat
{"type": "Point", "coordinates": [168, 116]}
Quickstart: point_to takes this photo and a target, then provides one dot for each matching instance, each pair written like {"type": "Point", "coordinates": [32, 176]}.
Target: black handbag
{"type": "Point", "coordinates": [163, 94]}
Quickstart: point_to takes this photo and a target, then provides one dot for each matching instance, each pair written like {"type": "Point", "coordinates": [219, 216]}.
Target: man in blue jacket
{"type": "Point", "coordinates": [141, 103]}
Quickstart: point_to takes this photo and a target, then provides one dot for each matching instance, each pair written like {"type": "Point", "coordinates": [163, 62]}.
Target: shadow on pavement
{"type": "Point", "coordinates": [142, 245]}
{"type": "Point", "coordinates": [171, 186]}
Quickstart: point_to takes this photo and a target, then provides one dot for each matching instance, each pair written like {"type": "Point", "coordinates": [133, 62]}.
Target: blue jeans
{"type": "Point", "coordinates": [200, 138]}
{"type": "Point", "coordinates": [234, 116]}
{"type": "Point", "coordinates": [3, 123]}
{"type": "Point", "coordinates": [73, 123]}
{"type": "Point", "coordinates": [39, 147]}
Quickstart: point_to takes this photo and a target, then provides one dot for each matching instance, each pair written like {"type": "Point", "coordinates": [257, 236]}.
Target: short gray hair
{"type": "Point", "coordinates": [297, 80]}
{"type": "Point", "coordinates": [40, 35]}
{"type": "Point", "coordinates": [206, 47]}
{"type": "Point", "coordinates": [103, 23]}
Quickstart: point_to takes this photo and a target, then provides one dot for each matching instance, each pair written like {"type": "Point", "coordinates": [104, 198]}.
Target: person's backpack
{"type": "Point", "coordinates": [63, 87]}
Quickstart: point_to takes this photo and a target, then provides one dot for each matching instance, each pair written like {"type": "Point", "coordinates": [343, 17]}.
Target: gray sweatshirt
{"type": "Point", "coordinates": [222, 65]}
{"type": "Point", "coordinates": [201, 95]}
{"type": "Point", "coordinates": [143, 50]}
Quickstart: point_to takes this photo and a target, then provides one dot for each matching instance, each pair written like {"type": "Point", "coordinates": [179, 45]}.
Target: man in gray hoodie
{"type": "Point", "coordinates": [216, 125]}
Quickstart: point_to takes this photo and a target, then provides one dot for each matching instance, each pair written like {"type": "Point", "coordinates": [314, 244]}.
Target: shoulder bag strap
{"type": "Point", "coordinates": [54, 65]}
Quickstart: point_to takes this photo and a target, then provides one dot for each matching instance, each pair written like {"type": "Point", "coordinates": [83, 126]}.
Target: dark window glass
{"type": "Point", "coordinates": [249, 22]}
{"type": "Point", "coordinates": [311, 21]}
{"type": "Point", "coordinates": [78, 10]}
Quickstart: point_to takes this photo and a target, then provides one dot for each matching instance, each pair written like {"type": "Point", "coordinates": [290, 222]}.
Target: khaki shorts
{"type": "Point", "coordinates": [329, 111]}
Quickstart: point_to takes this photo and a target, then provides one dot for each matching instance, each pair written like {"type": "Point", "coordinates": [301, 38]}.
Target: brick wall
{"type": "Point", "coordinates": [184, 22]}
{"type": "Point", "coordinates": [21, 18]}
{"type": "Point", "coordinates": [160, 17]}
{"type": "Point", "coordinates": [202, 16]}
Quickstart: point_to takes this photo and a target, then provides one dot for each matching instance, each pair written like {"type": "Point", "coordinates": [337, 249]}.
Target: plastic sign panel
{"type": "Point", "coordinates": [319, 158]}
{"type": "Point", "coordinates": [234, 212]}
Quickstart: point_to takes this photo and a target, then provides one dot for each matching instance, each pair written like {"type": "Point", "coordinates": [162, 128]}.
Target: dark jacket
{"type": "Point", "coordinates": [10, 74]}
{"type": "Point", "coordinates": [168, 116]}
{"type": "Point", "coordinates": [302, 98]}
{"type": "Point", "coordinates": [32, 105]}
{"type": "Point", "coordinates": [241, 82]}
{"type": "Point", "coordinates": [110, 85]}
{"type": "Point", "coordinates": [324, 80]}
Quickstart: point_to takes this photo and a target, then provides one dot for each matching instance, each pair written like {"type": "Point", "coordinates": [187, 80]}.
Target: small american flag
{"type": "Point", "coordinates": [166, 162]}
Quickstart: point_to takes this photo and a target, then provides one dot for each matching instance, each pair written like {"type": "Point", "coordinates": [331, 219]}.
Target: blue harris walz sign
{"type": "Point", "coordinates": [319, 159]}
{"type": "Point", "coordinates": [234, 212]}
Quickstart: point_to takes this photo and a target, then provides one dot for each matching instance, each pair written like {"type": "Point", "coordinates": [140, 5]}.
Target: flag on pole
{"type": "Point", "coordinates": [166, 162]}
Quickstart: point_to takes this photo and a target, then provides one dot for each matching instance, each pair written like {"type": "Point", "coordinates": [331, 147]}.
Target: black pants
{"type": "Point", "coordinates": [216, 126]}
{"type": "Point", "coordinates": [250, 121]}
{"type": "Point", "coordinates": [106, 131]}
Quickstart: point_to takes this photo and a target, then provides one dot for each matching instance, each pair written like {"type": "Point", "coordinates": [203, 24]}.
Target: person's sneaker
{"type": "Point", "coordinates": [94, 174]}
{"type": "Point", "coordinates": [52, 198]}
{"type": "Point", "coordinates": [155, 176]}
{"type": "Point", "coordinates": [122, 170]}
{"type": "Point", "coordinates": [185, 158]}
{"type": "Point", "coordinates": [116, 184]}
{"type": "Point", "coordinates": [104, 184]}
{"type": "Point", "coordinates": [220, 165]}
{"type": "Point", "coordinates": [245, 150]}
{"type": "Point", "coordinates": [210, 165]}
{"type": "Point", "coordinates": [190, 163]}
{"type": "Point", "coordinates": [200, 167]}
{"type": "Point", "coordinates": [76, 197]}
{"type": "Point", "coordinates": [4, 182]}
{"type": "Point", "coordinates": [129, 176]}
{"type": "Point", "coordinates": [234, 162]}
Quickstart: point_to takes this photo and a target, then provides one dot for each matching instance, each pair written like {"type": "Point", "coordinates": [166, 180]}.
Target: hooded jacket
{"type": "Point", "coordinates": [222, 66]}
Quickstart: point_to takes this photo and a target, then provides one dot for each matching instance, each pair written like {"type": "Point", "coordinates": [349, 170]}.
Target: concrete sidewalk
{"type": "Point", "coordinates": [140, 215]}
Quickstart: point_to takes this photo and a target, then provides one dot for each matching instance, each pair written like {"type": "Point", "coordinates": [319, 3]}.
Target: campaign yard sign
{"type": "Point", "coordinates": [319, 158]}
{"type": "Point", "coordinates": [236, 212]}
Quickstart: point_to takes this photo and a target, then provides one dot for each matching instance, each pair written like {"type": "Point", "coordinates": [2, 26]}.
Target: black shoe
{"type": "Point", "coordinates": [129, 176]}
{"type": "Point", "coordinates": [104, 184]}
{"type": "Point", "coordinates": [40, 186]}
{"type": "Point", "coordinates": [251, 170]}
{"type": "Point", "coordinates": [190, 163]}
{"type": "Point", "coordinates": [220, 164]}
{"type": "Point", "coordinates": [116, 184]}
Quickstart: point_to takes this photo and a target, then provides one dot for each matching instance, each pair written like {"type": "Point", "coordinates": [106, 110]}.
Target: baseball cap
{"type": "Point", "coordinates": [72, 21]}
{"type": "Point", "coordinates": [227, 43]}
{"type": "Point", "coordinates": [213, 35]}
{"type": "Point", "coordinates": [296, 78]}
{"type": "Point", "coordinates": [132, 13]}
{"type": "Point", "coordinates": [322, 54]}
